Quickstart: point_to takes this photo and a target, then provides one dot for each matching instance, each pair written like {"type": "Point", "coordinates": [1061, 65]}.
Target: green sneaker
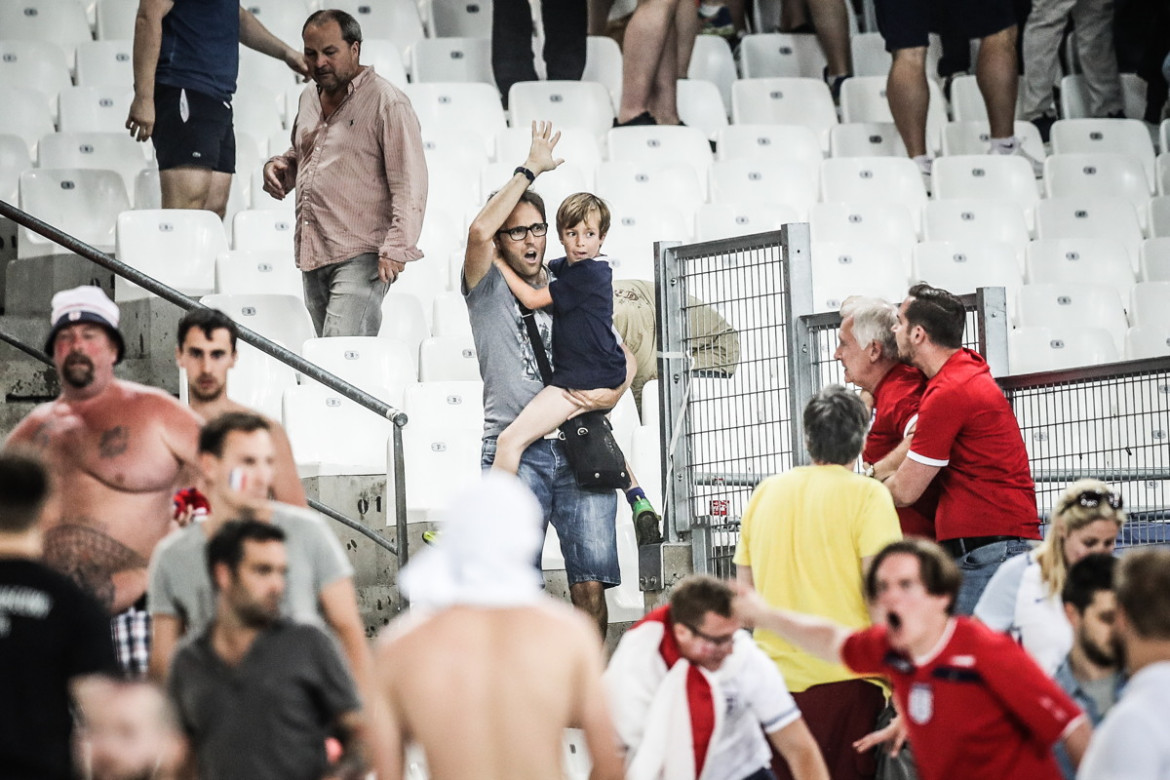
{"type": "Point", "coordinates": [430, 537]}
{"type": "Point", "coordinates": [646, 523]}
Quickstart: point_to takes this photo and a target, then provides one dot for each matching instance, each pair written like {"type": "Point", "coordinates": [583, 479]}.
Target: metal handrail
{"type": "Point", "coordinates": [248, 336]}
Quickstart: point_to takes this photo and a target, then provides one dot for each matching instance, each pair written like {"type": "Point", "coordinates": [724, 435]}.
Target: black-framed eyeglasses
{"type": "Point", "coordinates": [1091, 499]}
{"type": "Point", "coordinates": [518, 233]}
{"type": "Point", "coordinates": [717, 641]}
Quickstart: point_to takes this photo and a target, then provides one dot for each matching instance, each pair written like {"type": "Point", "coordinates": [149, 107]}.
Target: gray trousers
{"type": "Point", "coordinates": [1093, 33]}
{"type": "Point", "coordinates": [345, 299]}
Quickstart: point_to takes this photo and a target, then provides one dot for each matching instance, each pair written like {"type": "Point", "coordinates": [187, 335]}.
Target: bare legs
{"type": "Point", "coordinates": [195, 188]}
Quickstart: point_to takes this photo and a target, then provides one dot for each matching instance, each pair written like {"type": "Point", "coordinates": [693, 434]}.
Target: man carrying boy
{"type": "Point", "coordinates": [512, 226]}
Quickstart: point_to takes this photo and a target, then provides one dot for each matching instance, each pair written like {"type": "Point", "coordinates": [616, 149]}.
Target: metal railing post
{"type": "Point", "coordinates": [797, 259]}
{"type": "Point", "coordinates": [673, 378]}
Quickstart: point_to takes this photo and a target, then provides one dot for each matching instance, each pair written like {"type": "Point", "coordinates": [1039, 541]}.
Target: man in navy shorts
{"type": "Point", "coordinates": [186, 59]}
{"type": "Point", "coordinates": [905, 25]}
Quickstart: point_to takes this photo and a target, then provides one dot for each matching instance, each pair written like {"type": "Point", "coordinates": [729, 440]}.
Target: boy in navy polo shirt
{"type": "Point", "coordinates": [585, 347]}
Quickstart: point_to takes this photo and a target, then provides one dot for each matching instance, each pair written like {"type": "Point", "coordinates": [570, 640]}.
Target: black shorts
{"type": "Point", "coordinates": [904, 24]}
{"type": "Point", "coordinates": [192, 129]}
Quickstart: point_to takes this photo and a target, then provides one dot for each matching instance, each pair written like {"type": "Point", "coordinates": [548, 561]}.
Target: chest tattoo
{"type": "Point", "coordinates": [114, 441]}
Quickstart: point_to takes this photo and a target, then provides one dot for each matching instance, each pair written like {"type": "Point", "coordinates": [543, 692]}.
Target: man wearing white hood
{"type": "Point", "coordinates": [486, 672]}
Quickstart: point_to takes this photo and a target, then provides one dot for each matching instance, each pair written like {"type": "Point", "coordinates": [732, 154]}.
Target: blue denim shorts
{"type": "Point", "coordinates": [979, 566]}
{"type": "Point", "coordinates": [584, 519]}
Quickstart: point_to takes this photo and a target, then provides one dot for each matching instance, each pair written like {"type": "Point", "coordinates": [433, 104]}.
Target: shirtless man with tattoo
{"type": "Point", "coordinates": [118, 451]}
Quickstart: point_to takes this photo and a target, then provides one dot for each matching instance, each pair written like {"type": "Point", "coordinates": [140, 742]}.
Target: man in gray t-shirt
{"type": "Point", "coordinates": [257, 694]}
{"type": "Point", "coordinates": [236, 459]}
{"type": "Point", "coordinates": [584, 519]}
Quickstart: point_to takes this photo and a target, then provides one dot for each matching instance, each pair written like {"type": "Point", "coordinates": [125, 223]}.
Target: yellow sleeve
{"type": "Point", "coordinates": [877, 522]}
{"type": "Point", "coordinates": [743, 555]}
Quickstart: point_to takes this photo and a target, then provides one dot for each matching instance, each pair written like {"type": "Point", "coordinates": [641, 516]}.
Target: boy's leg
{"type": "Point", "coordinates": [548, 409]}
{"type": "Point", "coordinates": [646, 520]}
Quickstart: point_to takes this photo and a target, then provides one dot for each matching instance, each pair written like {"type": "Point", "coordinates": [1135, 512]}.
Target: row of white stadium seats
{"type": "Point", "coordinates": [72, 22]}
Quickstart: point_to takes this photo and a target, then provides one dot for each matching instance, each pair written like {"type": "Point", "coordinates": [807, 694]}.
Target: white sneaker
{"type": "Point", "coordinates": [1019, 151]}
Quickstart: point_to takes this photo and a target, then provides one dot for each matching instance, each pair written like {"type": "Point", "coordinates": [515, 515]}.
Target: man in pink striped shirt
{"type": "Point", "coordinates": [361, 178]}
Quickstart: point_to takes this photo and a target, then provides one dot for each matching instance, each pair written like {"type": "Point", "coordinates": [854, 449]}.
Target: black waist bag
{"type": "Point", "coordinates": [594, 455]}
{"type": "Point", "coordinates": [596, 459]}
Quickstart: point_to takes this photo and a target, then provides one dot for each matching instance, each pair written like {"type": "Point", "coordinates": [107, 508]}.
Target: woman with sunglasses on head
{"type": "Point", "coordinates": [1023, 598]}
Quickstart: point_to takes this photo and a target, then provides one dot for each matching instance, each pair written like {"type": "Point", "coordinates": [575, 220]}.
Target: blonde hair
{"type": "Point", "coordinates": [1069, 515]}
{"type": "Point", "coordinates": [576, 208]}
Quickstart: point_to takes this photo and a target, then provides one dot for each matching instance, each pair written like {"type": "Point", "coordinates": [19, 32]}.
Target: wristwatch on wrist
{"type": "Point", "coordinates": [869, 472]}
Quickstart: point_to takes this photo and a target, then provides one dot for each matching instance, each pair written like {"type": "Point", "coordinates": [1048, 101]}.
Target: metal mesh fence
{"type": "Point", "coordinates": [737, 424]}
{"type": "Point", "coordinates": [1111, 423]}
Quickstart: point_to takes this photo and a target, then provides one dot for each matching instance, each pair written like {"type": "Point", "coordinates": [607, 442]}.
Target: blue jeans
{"type": "Point", "coordinates": [345, 299]}
{"type": "Point", "coordinates": [584, 519]}
{"type": "Point", "coordinates": [979, 566]}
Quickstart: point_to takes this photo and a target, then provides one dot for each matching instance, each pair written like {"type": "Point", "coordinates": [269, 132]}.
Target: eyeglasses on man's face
{"type": "Point", "coordinates": [518, 233]}
{"type": "Point", "coordinates": [717, 641]}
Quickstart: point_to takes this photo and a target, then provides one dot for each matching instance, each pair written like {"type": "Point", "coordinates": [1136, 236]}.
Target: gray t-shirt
{"type": "Point", "coordinates": [180, 585]}
{"type": "Point", "coordinates": [507, 363]}
{"type": "Point", "coordinates": [267, 717]}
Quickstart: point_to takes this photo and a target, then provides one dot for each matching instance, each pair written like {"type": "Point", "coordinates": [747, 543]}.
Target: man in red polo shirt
{"type": "Point", "coordinates": [973, 701]}
{"type": "Point", "coordinates": [968, 441]}
{"type": "Point", "coordinates": [868, 352]}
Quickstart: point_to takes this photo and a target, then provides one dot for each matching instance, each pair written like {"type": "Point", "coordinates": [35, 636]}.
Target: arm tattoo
{"type": "Point", "coordinates": [90, 558]}
{"type": "Point", "coordinates": [114, 442]}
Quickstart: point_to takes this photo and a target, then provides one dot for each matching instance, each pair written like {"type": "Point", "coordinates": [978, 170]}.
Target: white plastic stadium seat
{"type": "Point", "coordinates": [447, 358]}
{"type": "Point", "coordinates": [857, 268]}
{"type": "Point", "coordinates": [974, 137]}
{"type": "Point", "coordinates": [394, 20]}
{"type": "Point", "coordinates": [387, 59]}
{"type": "Point", "coordinates": [373, 364]}
{"type": "Point", "coordinates": [177, 247]}
{"type": "Point", "coordinates": [257, 381]}
{"type": "Point", "coordinates": [866, 139]}
{"type": "Point", "coordinates": [629, 247]}
{"type": "Point", "coordinates": [711, 60]}
{"type": "Point", "coordinates": [455, 404]}
{"type": "Point", "coordinates": [1107, 174]}
{"type": "Point", "coordinates": [284, 18]}
{"type": "Point", "coordinates": [452, 59]}
{"type": "Point", "coordinates": [873, 178]}
{"type": "Point", "coordinates": [458, 104]}
{"type": "Point", "coordinates": [25, 115]}
{"type": "Point", "coordinates": [870, 57]}
{"type": "Point", "coordinates": [578, 147]}
{"type": "Point", "coordinates": [726, 220]}
{"type": "Point", "coordinates": [1077, 305]}
{"type": "Point", "coordinates": [114, 19]}
{"type": "Point", "coordinates": [1121, 136]}
{"type": "Point", "coordinates": [1072, 260]}
{"type": "Point", "coordinates": [1147, 342]}
{"type": "Point", "coordinates": [1148, 305]}
{"type": "Point", "coordinates": [1073, 97]}
{"type": "Point", "coordinates": [38, 65]}
{"type": "Point", "coordinates": [660, 144]}
{"type": "Point", "coordinates": [1032, 349]}
{"type": "Point", "coordinates": [985, 176]}
{"type": "Point", "coordinates": [450, 316]}
{"type": "Point", "coordinates": [964, 266]}
{"type": "Point", "coordinates": [1089, 217]}
{"type": "Point", "coordinates": [313, 416]}
{"type": "Point", "coordinates": [264, 229]}
{"type": "Point", "coordinates": [793, 55]}
{"type": "Point", "coordinates": [700, 106]}
{"type": "Point", "coordinates": [280, 318]}
{"type": "Point", "coordinates": [455, 18]}
{"type": "Point", "coordinates": [889, 222]}
{"type": "Point", "coordinates": [403, 319]}
{"type": "Point", "coordinates": [1159, 216]}
{"type": "Point", "coordinates": [603, 64]}
{"type": "Point", "coordinates": [14, 160]}
{"type": "Point", "coordinates": [83, 203]}
{"type": "Point", "coordinates": [95, 109]}
{"type": "Point", "coordinates": [1155, 259]}
{"type": "Point", "coordinates": [62, 22]}
{"type": "Point", "coordinates": [252, 271]}
{"type": "Point", "coordinates": [94, 151]}
{"type": "Point", "coordinates": [970, 220]}
{"type": "Point", "coordinates": [786, 101]}
{"type": "Point", "coordinates": [438, 460]}
{"type": "Point", "coordinates": [583, 104]}
{"type": "Point", "coordinates": [771, 142]}
{"type": "Point", "coordinates": [105, 63]}
{"type": "Point", "coordinates": [630, 183]}
{"type": "Point", "coordinates": [863, 99]}
{"type": "Point", "coordinates": [791, 183]}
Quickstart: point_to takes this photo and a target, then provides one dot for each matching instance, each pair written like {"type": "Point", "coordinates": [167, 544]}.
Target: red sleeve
{"type": "Point", "coordinates": [903, 409]}
{"type": "Point", "coordinates": [865, 651]}
{"type": "Point", "coordinates": [1024, 689]}
{"type": "Point", "coordinates": [938, 425]}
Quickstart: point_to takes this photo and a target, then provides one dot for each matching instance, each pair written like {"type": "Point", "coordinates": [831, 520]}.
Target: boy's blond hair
{"type": "Point", "coordinates": [576, 209]}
